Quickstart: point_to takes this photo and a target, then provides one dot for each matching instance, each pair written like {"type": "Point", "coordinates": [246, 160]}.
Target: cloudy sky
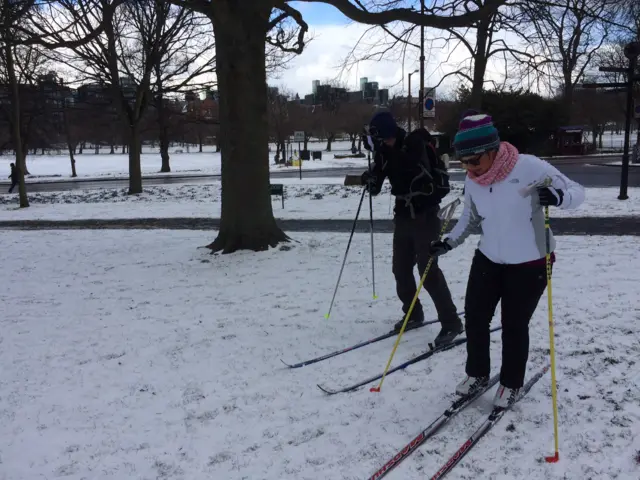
{"type": "Point", "coordinates": [334, 36]}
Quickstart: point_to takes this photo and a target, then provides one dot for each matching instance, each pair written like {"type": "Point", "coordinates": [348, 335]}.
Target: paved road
{"type": "Point", "coordinates": [560, 226]}
{"type": "Point", "coordinates": [589, 175]}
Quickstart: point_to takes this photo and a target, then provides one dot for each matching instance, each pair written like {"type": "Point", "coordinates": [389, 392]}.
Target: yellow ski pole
{"type": "Point", "coordinates": [447, 213]}
{"type": "Point", "coordinates": [554, 392]}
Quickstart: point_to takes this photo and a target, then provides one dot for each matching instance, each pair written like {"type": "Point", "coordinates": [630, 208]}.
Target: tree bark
{"type": "Point", "coordinates": [67, 132]}
{"type": "Point", "coordinates": [15, 126]}
{"type": "Point", "coordinates": [164, 131]}
{"type": "Point", "coordinates": [480, 63]}
{"type": "Point", "coordinates": [135, 172]}
{"type": "Point", "coordinates": [330, 138]}
{"type": "Point", "coordinates": [247, 220]}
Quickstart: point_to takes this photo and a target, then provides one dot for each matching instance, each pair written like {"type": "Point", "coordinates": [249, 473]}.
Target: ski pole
{"type": "Point", "coordinates": [554, 392]}
{"type": "Point", "coordinates": [373, 268]}
{"type": "Point", "coordinates": [353, 229]}
{"type": "Point", "coordinates": [446, 213]}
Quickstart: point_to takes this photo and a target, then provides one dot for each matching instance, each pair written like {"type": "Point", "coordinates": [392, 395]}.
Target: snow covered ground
{"type": "Point", "coordinates": [133, 355]}
{"type": "Point", "coordinates": [322, 199]}
{"type": "Point", "coordinates": [56, 166]}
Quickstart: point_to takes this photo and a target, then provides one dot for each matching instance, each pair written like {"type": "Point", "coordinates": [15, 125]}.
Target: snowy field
{"type": "Point", "coordinates": [104, 165]}
{"type": "Point", "coordinates": [133, 355]}
{"type": "Point", "coordinates": [55, 165]}
{"type": "Point", "coordinates": [322, 199]}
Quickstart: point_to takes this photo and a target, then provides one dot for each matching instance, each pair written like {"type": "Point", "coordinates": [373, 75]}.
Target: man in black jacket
{"type": "Point", "coordinates": [411, 165]}
{"type": "Point", "coordinates": [14, 177]}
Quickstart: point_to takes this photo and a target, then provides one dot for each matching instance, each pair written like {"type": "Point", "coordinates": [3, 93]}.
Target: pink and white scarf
{"type": "Point", "coordinates": [501, 168]}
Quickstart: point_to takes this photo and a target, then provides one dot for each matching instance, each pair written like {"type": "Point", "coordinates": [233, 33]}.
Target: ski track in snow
{"type": "Point", "coordinates": [130, 354]}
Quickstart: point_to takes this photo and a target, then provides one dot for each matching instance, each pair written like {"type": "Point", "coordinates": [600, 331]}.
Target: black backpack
{"type": "Point", "coordinates": [432, 163]}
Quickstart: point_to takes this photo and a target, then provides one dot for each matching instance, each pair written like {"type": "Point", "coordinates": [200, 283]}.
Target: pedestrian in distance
{"type": "Point", "coordinates": [419, 182]}
{"type": "Point", "coordinates": [14, 177]}
{"type": "Point", "coordinates": [505, 192]}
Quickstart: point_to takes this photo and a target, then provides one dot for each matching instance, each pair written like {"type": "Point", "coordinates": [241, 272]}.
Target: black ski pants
{"type": "Point", "coordinates": [411, 240]}
{"type": "Point", "coordinates": [518, 288]}
{"type": "Point", "coordinates": [14, 184]}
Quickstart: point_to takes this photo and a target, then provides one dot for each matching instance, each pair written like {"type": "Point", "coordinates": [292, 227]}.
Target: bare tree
{"type": "Point", "coordinates": [185, 58]}
{"type": "Point", "coordinates": [140, 39]}
{"type": "Point", "coordinates": [241, 30]}
{"type": "Point", "coordinates": [11, 12]}
{"type": "Point", "coordinates": [568, 35]}
{"type": "Point", "coordinates": [280, 120]}
{"type": "Point", "coordinates": [354, 116]}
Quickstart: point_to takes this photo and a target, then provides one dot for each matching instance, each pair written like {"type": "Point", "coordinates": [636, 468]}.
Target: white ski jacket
{"type": "Point", "coordinates": [511, 221]}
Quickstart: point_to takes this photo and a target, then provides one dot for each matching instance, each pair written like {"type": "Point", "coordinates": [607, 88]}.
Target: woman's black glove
{"type": "Point", "coordinates": [550, 197]}
{"type": "Point", "coordinates": [439, 247]}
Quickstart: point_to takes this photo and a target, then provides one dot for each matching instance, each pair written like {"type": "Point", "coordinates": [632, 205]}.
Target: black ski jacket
{"type": "Point", "coordinates": [407, 165]}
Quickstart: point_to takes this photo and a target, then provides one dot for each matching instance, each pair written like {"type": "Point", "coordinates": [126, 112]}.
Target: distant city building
{"type": "Point", "coordinates": [369, 92]}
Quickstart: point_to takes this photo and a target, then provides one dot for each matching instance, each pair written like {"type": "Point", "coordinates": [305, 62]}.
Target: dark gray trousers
{"type": "Point", "coordinates": [411, 240]}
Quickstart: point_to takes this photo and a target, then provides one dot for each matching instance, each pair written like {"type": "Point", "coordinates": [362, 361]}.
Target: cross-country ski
{"type": "Point", "coordinates": [496, 414]}
{"type": "Point", "coordinates": [423, 356]}
{"type": "Point", "coordinates": [456, 406]}
{"type": "Point", "coordinates": [390, 334]}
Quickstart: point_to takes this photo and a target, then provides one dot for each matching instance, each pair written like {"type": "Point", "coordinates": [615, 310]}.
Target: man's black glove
{"type": "Point", "coordinates": [439, 247]}
{"type": "Point", "coordinates": [365, 141]}
{"type": "Point", "coordinates": [368, 179]}
{"type": "Point", "coordinates": [550, 197]}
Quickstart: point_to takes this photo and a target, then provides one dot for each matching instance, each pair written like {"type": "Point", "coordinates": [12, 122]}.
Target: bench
{"type": "Point", "coordinates": [278, 189]}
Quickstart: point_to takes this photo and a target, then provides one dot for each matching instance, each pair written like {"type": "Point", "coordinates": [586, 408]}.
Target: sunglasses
{"type": "Point", "coordinates": [475, 161]}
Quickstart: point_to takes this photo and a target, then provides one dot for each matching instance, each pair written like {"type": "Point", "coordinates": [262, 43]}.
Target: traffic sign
{"type": "Point", "coordinates": [429, 106]}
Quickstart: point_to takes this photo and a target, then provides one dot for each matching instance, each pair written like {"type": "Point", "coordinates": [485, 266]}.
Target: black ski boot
{"type": "Point", "coordinates": [448, 333]}
{"type": "Point", "coordinates": [415, 320]}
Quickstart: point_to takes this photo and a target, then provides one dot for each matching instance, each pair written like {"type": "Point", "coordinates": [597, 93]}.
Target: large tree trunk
{"type": "Point", "coordinates": [480, 63]}
{"type": "Point", "coordinates": [15, 126]}
{"type": "Point", "coordinates": [330, 138]}
{"type": "Point", "coordinates": [67, 133]}
{"type": "Point", "coordinates": [164, 150]}
{"type": "Point", "coordinates": [135, 172]}
{"type": "Point", "coordinates": [247, 220]}
{"type": "Point", "coordinates": [164, 132]}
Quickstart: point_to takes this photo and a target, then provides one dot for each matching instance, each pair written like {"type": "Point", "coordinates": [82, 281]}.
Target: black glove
{"type": "Point", "coordinates": [364, 141]}
{"type": "Point", "coordinates": [550, 197]}
{"type": "Point", "coordinates": [368, 179]}
{"type": "Point", "coordinates": [439, 247]}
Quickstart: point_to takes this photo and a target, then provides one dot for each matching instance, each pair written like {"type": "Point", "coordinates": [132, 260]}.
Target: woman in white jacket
{"type": "Point", "coordinates": [505, 193]}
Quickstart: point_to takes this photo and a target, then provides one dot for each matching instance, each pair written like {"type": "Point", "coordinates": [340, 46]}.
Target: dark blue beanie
{"type": "Point", "coordinates": [383, 125]}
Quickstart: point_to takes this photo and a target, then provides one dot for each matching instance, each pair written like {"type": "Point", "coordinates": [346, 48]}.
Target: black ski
{"type": "Point", "coordinates": [496, 414]}
{"type": "Point", "coordinates": [456, 406]}
{"type": "Point", "coordinates": [392, 333]}
{"type": "Point", "coordinates": [422, 356]}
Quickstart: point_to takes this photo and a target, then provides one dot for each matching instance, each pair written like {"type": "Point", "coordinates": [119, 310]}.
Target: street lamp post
{"type": "Point", "coordinates": [421, 96]}
{"type": "Point", "coordinates": [409, 97]}
{"type": "Point", "coordinates": [631, 51]}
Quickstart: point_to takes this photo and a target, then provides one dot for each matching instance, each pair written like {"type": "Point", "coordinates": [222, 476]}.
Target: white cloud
{"type": "Point", "coordinates": [323, 57]}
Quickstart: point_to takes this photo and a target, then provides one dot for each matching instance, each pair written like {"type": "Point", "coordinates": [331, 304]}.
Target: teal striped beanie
{"type": "Point", "coordinates": [476, 135]}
